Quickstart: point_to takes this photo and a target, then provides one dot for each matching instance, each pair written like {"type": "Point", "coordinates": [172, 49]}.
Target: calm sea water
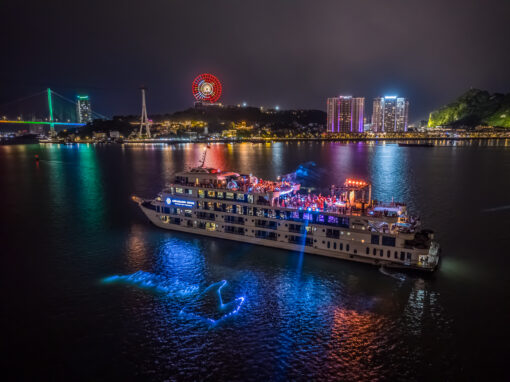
{"type": "Point", "coordinates": [69, 227]}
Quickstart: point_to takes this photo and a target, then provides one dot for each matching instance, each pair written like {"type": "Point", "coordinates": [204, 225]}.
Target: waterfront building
{"type": "Point", "coordinates": [345, 114]}
{"type": "Point", "coordinates": [377, 114]}
{"type": "Point", "coordinates": [83, 109]}
{"type": "Point", "coordinates": [390, 114]}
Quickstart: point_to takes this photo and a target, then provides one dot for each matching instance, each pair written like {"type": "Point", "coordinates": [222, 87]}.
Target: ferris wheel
{"type": "Point", "coordinates": [206, 88]}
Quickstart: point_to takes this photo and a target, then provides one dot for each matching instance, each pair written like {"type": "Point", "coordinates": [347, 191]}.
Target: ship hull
{"type": "Point", "coordinates": [154, 217]}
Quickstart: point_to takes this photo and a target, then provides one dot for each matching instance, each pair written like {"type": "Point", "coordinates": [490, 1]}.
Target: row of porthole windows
{"type": "Point", "coordinates": [340, 246]}
{"type": "Point", "coordinates": [403, 255]}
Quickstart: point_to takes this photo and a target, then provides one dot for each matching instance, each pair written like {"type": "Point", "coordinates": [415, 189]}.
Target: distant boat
{"type": "Point", "coordinates": [404, 144]}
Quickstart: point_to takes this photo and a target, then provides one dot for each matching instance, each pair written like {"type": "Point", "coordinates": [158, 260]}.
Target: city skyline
{"type": "Point", "coordinates": [261, 66]}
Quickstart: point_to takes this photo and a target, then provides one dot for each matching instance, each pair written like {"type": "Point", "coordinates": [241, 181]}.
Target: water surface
{"type": "Point", "coordinates": [92, 291]}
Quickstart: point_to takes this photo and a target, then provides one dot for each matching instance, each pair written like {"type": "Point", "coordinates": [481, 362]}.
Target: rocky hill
{"type": "Point", "coordinates": [475, 107]}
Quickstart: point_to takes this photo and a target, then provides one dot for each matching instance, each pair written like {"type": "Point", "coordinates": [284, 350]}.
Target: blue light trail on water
{"type": "Point", "coordinates": [209, 306]}
{"type": "Point", "coordinates": [157, 283]}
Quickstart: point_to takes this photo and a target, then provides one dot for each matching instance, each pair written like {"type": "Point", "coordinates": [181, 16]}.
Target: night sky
{"type": "Point", "coordinates": [289, 53]}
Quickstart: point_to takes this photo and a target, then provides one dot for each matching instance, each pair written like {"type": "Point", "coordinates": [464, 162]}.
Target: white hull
{"type": "Point", "coordinates": [155, 218]}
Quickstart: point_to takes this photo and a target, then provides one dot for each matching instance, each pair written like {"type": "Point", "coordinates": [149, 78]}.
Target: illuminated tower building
{"type": "Point", "coordinates": [332, 109]}
{"type": "Point", "coordinates": [377, 114]}
{"type": "Point", "coordinates": [83, 109]}
{"type": "Point", "coordinates": [345, 114]}
{"type": "Point", "coordinates": [390, 114]}
{"type": "Point", "coordinates": [402, 114]}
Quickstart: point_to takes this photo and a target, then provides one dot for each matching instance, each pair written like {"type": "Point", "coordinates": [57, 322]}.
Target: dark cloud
{"type": "Point", "coordinates": [288, 52]}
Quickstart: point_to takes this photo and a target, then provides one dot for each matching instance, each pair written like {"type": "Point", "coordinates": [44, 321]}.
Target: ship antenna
{"type": "Point", "coordinates": [204, 154]}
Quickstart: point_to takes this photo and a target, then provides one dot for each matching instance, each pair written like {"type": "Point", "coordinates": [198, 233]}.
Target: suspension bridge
{"type": "Point", "coordinates": [45, 108]}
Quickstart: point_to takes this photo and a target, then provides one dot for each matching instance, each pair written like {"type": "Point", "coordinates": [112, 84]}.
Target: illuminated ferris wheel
{"type": "Point", "coordinates": [206, 88]}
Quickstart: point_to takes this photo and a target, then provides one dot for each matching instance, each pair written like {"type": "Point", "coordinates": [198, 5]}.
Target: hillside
{"type": "Point", "coordinates": [475, 107]}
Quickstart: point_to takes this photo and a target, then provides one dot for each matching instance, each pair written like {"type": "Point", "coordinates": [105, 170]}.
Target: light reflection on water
{"type": "Point", "coordinates": [304, 317]}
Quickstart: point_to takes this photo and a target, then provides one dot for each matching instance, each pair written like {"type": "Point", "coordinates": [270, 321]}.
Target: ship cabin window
{"type": "Point", "coordinates": [251, 211]}
{"type": "Point", "coordinates": [240, 197]}
{"type": "Point", "coordinates": [201, 193]}
{"type": "Point", "coordinates": [341, 246]}
{"type": "Point", "coordinates": [329, 244]}
{"type": "Point", "coordinates": [334, 245]}
{"type": "Point", "coordinates": [220, 195]}
{"type": "Point", "coordinates": [250, 198]}
{"type": "Point", "coordinates": [230, 208]}
{"type": "Point", "coordinates": [374, 252]}
{"type": "Point", "coordinates": [347, 247]}
{"type": "Point", "coordinates": [396, 255]}
{"type": "Point", "coordinates": [189, 191]}
{"type": "Point", "coordinates": [230, 195]}
{"type": "Point", "coordinates": [187, 213]}
{"type": "Point", "coordinates": [388, 240]}
{"type": "Point", "coordinates": [320, 219]}
{"type": "Point", "coordinates": [239, 209]}
{"type": "Point", "coordinates": [402, 255]}
{"type": "Point", "coordinates": [388, 254]}
{"type": "Point", "coordinates": [211, 194]}
{"type": "Point", "coordinates": [367, 251]}
{"type": "Point", "coordinates": [210, 226]}
{"type": "Point", "coordinates": [381, 253]}
{"type": "Point", "coordinates": [409, 255]}
{"type": "Point", "coordinates": [375, 239]}
{"type": "Point", "coordinates": [179, 190]}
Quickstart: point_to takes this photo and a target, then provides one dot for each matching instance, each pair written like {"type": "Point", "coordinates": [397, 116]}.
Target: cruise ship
{"type": "Point", "coordinates": [344, 224]}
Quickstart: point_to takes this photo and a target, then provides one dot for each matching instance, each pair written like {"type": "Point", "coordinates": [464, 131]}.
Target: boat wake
{"type": "Point", "coordinates": [501, 208]}
{"type": "Point", "coordinates": [157, 283]}
{"type": "Point", "coordinates": [396, 276]}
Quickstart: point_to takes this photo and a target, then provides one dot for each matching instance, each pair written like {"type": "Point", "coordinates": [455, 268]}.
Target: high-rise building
{"type": "Point", "coordinates": [83, 109]}
{"type": "Point", "coordinates": [377, 114]}
{"type": "Point", "coordinates": [345, 114]}
{"type": "Point", "coordinates": [402, 114]}
{"type": "Point", "coordinates": [332, 109]}
{"type": "Point", "coordinates": [390, 114]}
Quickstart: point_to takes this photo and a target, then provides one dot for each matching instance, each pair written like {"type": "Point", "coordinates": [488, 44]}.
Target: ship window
{"type": "Point", "coordinates": [201, 193]}
{"type": "Point", "coordinates": [388, 240]}
{"type": "Point", "coordinates": [239, 209]}
{"type": "Point", "coordinates": [250, 198]}
{"type": "Point", "coordinates": [402, 255]}
{"type": "Point", "coordinates": [179, 190]}
{"type": "Point", "coordinates": [367, 251]}
{"type": "Point", "coordinates": [230, 195]}
{"type": "Point", "coordinates": [381, 253]}
{"type": "Point", "coordinates": [341, 246]}
{"type": "Point", "coordinates": [240, 197]}
{"type": "Point", "coordinates": [347, 247]}
{"type": "Point", "coordinates": [329, 244]}
{"type": "Point", "coordinates": [320, 219]}
{"type": "Point", "coordinates": [189, 191]}
{"type": "Point", "coordinates": [375, 239]}
{"type": "Point", "coordinates": [334, 245]}
{"type": "Point", "coordinates": [388, 254]}
{"type": "Point", "coordinates": [210, 226]}
{"type": "Point", "coordinates": [396, 255]}
{"type": "Point", "coordinates": [332, 220]}
{"type": "Point", "coordinates": [408, 255]}
{"type": "Point", "coordinates": [307, 216]}
{"type": "Point", "coordinates": [210, 194]}
{"type": "Point", "coordinates": [374, 251]}
{"type": "Point", "coordinates": [219, 195]}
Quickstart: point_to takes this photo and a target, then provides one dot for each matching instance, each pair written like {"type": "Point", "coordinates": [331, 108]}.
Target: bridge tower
{"type": "Point", "coordinates": [144, 122]}
{"type": "Point", "coordinates": [50, 107]}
